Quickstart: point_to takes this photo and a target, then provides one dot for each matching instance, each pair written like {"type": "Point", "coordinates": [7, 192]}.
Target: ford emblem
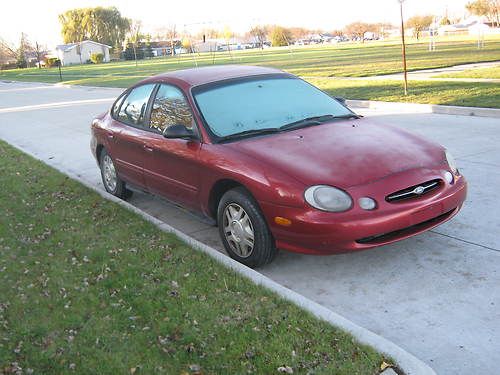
{"type": "Point", "coordinates": [418, 190]}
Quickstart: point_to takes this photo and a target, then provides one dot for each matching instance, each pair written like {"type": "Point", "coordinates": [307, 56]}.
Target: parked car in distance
{"type": "Point", "coordinates": [274, 161]}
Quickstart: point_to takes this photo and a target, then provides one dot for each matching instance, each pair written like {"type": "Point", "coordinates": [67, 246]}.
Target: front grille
{"type": "Point", "coordinates": [413, 191]}
{"type": "Point", "coordinates": [401, 233]}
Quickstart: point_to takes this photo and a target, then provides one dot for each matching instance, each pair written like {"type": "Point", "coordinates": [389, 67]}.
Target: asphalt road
{"type": "Point", "coordinates": [436, 295]}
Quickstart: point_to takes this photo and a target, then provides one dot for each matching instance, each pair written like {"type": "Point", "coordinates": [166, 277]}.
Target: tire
{"type": "Point", "coordinates": [112, 183]}
{"type": "Point", "coordinates": [243, 229]}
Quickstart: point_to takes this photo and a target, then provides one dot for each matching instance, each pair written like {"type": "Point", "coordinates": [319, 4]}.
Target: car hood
{"type": "Point", "coordinates": [342, 153]}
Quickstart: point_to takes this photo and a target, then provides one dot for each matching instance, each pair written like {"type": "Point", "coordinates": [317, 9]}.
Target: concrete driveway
{"type": "Point", "coordinates": [436, 295]}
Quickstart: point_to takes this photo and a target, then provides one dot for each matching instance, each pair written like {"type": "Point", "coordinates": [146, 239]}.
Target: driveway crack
{"type": "Point", "coordinates": [469, 242]}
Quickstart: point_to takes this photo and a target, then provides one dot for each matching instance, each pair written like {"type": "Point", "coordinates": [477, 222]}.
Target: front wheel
{"type": "Point", "coordinates": [112, 183]}
{"type": "Point", "coordinates": [243, 230]}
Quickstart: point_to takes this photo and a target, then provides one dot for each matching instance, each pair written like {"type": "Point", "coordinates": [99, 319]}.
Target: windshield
{"type": "Point", "coordinates": [263, 103]}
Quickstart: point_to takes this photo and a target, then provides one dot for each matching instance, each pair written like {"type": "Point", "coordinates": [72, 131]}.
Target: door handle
{"type": "Point", "coordinates": [148, 148]}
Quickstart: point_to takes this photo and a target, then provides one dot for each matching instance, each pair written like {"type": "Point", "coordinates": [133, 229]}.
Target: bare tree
{"type": "Point", "coordinates": [172, 35]}
{"type": "Point", "coordinates": [259, 33]}
{"type": "Point", "coordinates": [135, 36]}
{"type": "Point", "coordinates": [7, 52]}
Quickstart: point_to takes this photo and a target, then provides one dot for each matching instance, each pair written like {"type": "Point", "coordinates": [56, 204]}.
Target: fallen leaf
{"type": "Point", "coordinates": [285, 369]}
{"type": "Point", "coordinates": [384, 365]}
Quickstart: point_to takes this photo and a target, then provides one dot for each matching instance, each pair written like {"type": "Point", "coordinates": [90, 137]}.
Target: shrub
{"type": "Point", "coordinates": [52, 61]}
{"type": "Point", "coordinates": [97, 58]}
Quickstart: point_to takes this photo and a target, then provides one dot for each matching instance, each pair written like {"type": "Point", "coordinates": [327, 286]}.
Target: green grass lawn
{"type": "Point", "coordinates": [342, 60]}
{"type": "Point", "coordinates": [493, 72]}
{"type": "Point", "coordinates": [90, 287]}
{"type": "Point", "coordinates": [433, 92]}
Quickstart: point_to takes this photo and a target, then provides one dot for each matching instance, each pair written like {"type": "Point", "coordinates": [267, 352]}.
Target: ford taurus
{"type": "Point", "coordinates": [275, 162]}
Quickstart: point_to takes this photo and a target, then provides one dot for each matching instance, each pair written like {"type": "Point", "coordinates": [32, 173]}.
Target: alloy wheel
{"type": "Point", "coordinates": [109, 173]}
{"type": "Point", "coordinates": [238, 230]}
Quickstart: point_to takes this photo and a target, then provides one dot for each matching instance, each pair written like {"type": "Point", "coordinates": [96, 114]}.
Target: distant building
{"type": "Point", "coordinates": [79, 53]}
{"type": "Point", "coordinates": [473, 25]}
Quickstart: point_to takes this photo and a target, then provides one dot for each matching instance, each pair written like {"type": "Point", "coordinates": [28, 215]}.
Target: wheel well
{"type": "Point", "coordinates": [98, 151]}
{"type": "Point", "coordinates": [218, 190]}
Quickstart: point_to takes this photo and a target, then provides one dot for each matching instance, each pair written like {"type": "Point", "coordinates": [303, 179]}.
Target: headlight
{"type": "Point", "coordinates": [451, 162]}
{"type": "Point", "coordinates": [328, 198]}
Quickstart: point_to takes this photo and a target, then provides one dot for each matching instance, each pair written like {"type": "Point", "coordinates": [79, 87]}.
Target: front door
{"type": "Point", "coordinates": [171, 165]}
{"type": "Point", "coordinates": [126, 135]}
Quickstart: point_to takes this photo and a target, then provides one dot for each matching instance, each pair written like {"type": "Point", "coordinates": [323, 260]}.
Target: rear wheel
{"type": "Point", "coordinates": [243, 230]}
{"type": "Point", "coordinates": [112, 183]}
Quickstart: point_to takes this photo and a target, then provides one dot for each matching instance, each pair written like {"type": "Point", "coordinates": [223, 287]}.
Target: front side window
{"type": "Point", "coordinates": [170, 108]}
{"type": "Point", "coordinates": [263, 103]}
{"type": "Point", "coordinates": [133, 108]}
{"type": "Point", "coordinates": [116, 106]}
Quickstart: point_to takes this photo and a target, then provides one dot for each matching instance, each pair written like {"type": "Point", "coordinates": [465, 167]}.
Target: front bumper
{"type": "Point", "coordinates": [317, 232]}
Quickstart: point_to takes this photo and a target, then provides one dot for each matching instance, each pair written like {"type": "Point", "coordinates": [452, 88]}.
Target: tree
{"type": "Point", "coordinates": [487, 8]}
{"type": "Point", "coordinates": [445, 21]}
{"type": "Point", "coordinates": [357, 30]}
{"type": "Point", "coordinates": [259, 33]}
{"type": "Point", "coordinates": [172, 36]}
{"type": "Point", "coordinates": [7, 53]}
{"type": "Point", "coordinates": [22, 51]}
{"type": "Point", "coordinates": [148, 50]}
{"type": "Point", "coordinates": [135, 37]}
{"type": "Point", "coordinates": [419, 23]}
{"type": "Point", "coordinates": [103, 25]}
{"type": "Point", "coordinates": [280, 36]}
{"type": "Point", "coordinates": [299, 32]}
{"type": "Point", "coordinates": [186, 44]}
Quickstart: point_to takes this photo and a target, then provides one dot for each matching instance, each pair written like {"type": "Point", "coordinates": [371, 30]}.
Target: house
{"type": "Point", "coordinates": [79, 53]}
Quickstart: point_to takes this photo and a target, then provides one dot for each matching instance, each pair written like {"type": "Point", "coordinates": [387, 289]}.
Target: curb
{"type": "Point", "coordinates": [425, 108]}
{"type": "Point", "coordinates": [408, 363]}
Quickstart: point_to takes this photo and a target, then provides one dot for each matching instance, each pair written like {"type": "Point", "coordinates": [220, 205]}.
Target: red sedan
{"type": "Point", "coordinates": [274, 161]}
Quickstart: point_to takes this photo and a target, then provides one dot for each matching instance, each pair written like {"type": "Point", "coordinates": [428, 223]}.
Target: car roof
{"type": "Point", "coordinates": [200, 76]}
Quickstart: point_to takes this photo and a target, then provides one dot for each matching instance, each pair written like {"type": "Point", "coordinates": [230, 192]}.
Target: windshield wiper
{"type": "Point", "coordinates": [251, 132]}
{"type": "Point", "coordinates": [315, 120]}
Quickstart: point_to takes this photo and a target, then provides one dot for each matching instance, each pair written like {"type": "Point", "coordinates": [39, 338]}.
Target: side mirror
{"type": "Point", "coordinates": [340, 100]}
{"type": "Point", "coordinates": [178, 131]}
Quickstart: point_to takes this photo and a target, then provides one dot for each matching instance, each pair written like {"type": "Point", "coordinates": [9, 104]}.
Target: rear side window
{"type": "Point", "coordinates": [133, 108]}
{"type": "Point", "coordinates": [170, 108]}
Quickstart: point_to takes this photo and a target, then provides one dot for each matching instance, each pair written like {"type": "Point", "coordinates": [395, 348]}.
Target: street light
{"type": "Point", "coordinates": [403, 46]}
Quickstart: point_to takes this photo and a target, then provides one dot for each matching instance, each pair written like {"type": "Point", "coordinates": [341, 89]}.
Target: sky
{"type": "Point", "coordinates": [39, 19]}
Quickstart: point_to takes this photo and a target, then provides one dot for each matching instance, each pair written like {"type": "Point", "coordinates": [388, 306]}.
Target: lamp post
{"type": "Point", "coordinates": [403, 47]}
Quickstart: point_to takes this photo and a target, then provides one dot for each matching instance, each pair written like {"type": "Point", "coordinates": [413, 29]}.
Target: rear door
{"type": "Point", "coordinates": [171, 165]}
{"type": "Point", "coordinates": [126, 136]}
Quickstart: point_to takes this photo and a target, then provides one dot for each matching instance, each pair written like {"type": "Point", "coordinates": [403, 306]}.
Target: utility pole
{"type": "Point", "coordinates": [403, 47]}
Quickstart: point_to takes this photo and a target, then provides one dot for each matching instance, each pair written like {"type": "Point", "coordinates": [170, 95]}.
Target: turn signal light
{"type": "Point", "coordinates": [282, 221]}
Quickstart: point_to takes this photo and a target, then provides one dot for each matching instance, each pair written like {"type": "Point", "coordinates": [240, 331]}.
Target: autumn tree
{"type": "Point", "coordinates": [419, 23]}
{"type": "Point", "coordinates": [299, 32]}
{"type": "Point", "coordinates": [103, 25]}
{"type": "Point", "coordinates": [358, 29]}
{"type": "Point", "coordinates": [488, 8]}
{"type": "Point", "coordinates": [280, 36]}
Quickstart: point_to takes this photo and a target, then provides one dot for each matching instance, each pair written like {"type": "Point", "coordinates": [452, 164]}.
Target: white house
{"type": "Point", "coordinates": [79, 53]}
